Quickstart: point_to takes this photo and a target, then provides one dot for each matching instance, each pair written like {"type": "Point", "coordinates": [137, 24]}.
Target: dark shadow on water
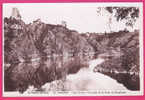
{"type": "Point", "coordinates": [18, 77]}
{"type": "Point", "coordinates": [131, 82]}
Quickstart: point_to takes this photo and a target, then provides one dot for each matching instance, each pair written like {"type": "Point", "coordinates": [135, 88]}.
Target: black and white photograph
{"type": "Point", "coordinates": [72, 49]}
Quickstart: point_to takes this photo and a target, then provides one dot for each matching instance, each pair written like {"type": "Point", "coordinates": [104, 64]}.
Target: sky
{"type": "Point", "coordinates": [81, 17]}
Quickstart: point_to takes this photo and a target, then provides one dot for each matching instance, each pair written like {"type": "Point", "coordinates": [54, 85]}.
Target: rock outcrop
{"type": "Point", "coordinates": [121, 51]}
{"type": "Point", "coordinates": [58, 50]}
{"type": "Point", "coordinates": [37, 53]}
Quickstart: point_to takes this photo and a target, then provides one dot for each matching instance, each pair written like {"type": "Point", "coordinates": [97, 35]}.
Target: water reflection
{"type": "Point", "coordinates": [19, 76]}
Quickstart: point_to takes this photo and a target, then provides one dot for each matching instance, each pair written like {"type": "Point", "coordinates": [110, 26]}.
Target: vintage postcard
{"type": "Point", "coordinates": [72, 49]}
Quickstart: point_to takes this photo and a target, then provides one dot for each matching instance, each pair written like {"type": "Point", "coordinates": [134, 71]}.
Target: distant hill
{"type": "Point", "coordinates": [121, 51]}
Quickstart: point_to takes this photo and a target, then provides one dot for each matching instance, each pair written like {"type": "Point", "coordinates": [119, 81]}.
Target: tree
{"type": "Point", "coordinates": [130, 14]}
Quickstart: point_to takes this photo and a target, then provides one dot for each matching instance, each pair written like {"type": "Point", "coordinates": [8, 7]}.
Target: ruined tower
{"type": "Point", "coordinates": [15, 13]}
{"type": "Point", "coordinates": [63, 23]}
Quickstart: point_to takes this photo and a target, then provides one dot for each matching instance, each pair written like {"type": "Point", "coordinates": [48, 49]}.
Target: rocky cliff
{"type": "Point", "coordinates": [66, 50]}
{"type": "Point", "coordinates": [37, 53]}
{"type": "Point", "coordinates": [121, 51]}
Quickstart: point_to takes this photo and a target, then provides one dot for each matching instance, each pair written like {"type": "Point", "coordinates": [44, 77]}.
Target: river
{"type": "Point", "coordinates": [87, 80]}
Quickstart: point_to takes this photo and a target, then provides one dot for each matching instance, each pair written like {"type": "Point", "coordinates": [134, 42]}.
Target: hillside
{"type": "Point", "coordinates": [39, 42]}
{"type": "Point", "coordinates": [38, 53]}
{"type": "Point", "coordinates": [121, 51]}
